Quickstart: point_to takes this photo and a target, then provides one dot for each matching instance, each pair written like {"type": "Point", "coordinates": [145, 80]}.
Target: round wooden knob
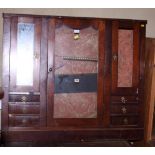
{"type": "Point", "coordinates": [50, 70]}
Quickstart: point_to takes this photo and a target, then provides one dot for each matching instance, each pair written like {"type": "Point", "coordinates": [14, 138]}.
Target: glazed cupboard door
{"type": "Point", "coordinates": [22, 102]}
{"type": "Point", "coordinates": [25, 54]}
{"type": "Point", "coordinates": [75, 72]}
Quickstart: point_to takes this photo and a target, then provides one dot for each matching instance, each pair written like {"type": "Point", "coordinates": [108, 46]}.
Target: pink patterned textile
{"type": "Point", "coordinates": [125, 58]}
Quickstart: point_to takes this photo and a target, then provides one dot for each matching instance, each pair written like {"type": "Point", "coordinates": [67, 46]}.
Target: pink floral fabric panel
{"type": "Point", "coordinates": [75, 105]}
{"type": "Point", "coordinates": [86, 46]}
{"type": "Point", "coordinates": [125, 58]}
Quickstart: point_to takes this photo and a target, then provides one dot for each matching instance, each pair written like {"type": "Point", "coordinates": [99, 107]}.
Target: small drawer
{"type": "Point", "coordinates": [124, 120]}
{"type": "Point", "coordinates": [24, 98]}
{"type": "Point", "coordinates": [124, 109]}
{"type": "Point", "coordinates": [23, 120]}
{"type": "Point", "coordinates": [124, 99]}
{"type": "Point", "coordinates": [20, 108]}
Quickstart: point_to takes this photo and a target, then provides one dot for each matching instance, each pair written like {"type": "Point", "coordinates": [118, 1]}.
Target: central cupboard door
{"type": "Point", "coordinates": [75, 72]}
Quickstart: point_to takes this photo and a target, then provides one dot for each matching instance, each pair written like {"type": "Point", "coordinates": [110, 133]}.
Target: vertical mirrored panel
{"type": "Point", "coordinates": [125, 58]}
{"type": "Point", "coordinates": [76, 60]}
{"type": "Point", "coordinates": [25, 50]}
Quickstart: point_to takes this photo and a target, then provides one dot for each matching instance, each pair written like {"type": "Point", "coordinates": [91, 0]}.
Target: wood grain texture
{"type": "Point", "coordinates": [107, 73]}
{"type": "Point", "coordinates": [149, 87]}
{"type": "Point", "coordinates": [100, 105]}
{"type": "Point", "coordinates": [6, 53]}
{"type": "Point", "coordinates": [1, 93]}
{"type": "Point", "coordinates": [43, 72]}
{"type": "Point", "coordinates": [50, 76]}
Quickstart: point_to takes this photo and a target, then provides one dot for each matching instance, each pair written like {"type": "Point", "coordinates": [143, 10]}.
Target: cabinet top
{"type": "Point", "coordinates": [71, 17]}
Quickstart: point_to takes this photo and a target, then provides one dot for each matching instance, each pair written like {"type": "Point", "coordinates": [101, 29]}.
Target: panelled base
{"type": "Point", "coordinates": [62, 137]}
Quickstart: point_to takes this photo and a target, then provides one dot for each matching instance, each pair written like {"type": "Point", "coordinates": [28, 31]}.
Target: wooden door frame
{"type": "Point", "coordinates": [149, 88]}
{"type": "Point", "coordinates": [36, 51]}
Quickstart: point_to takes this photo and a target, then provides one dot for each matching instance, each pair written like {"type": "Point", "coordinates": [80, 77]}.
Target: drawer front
{"type": "Point", "coordinates": [124, 99]}
{"type": "Point", "coordinates": [19, 108]}
{"type": "Point", "coordinates": [24, 98]}
{"type": "Point", "coordinates": [23, 120]}
{"type": "Point", "coordinates": [124, 109]}
{"type": "Point", "coordinates": [124, 120]}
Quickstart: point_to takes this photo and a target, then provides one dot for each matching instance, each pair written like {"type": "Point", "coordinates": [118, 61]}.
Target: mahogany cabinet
{"type": "Point", "coordinates": [70, 79]}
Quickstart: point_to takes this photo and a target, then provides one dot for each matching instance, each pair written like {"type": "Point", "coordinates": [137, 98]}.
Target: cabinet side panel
{"type": "Point", "coordinates": [6, 53]}
{"type": "Point", "coordinates": [43, 73]}
{"type": "Point", "coordinates": [149, 89]}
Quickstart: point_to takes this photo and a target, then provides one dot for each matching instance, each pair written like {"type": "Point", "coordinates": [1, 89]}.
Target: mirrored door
{"type": "Point", "coordinates": [25, 54]}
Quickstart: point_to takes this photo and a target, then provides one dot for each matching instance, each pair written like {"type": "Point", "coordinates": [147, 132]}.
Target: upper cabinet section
{"type": "Point", "coordinates": [25, 54]}
{"type": "Point", "coordinates": [91, 46]}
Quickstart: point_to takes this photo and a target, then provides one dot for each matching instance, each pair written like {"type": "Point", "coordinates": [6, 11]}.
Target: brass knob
{"type": "Point", "coordinates": [142, 25]}
{"type": "Point", "coordinates": [123, 100]}
{"type": "Point", "coordinates": [115, 57]}
{"type": "Point", "coordinates": [125, 121]}
{"type": "Point", "coordinates": [76, 36]}
{"type": "Point", "coordinates": [24, 110]}
{"type": "Point", "coordinates": [23, 99]}
{"type": "Point", "coordinates": [24, 121]}
{"type": "Point", "coordinates": [124, 110]}
{"type": "Point", "coordinates": [36, 56]}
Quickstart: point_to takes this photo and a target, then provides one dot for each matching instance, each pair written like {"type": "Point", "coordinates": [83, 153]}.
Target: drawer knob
{"type": "Point", "coordinates": [24, 121]}
{"type": "Point", "coordinates": [115, 57]}
{"type": "Point", "coordinates": [124, 110]}
{"type": "Point", "coordinates": [24, 110]}
{"type": "Point", "coordinates": [23, 98]}
{"type": "Point", "coordinates": [125, 121]}
{"type": "Point", "coordinates": [123, 99]}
